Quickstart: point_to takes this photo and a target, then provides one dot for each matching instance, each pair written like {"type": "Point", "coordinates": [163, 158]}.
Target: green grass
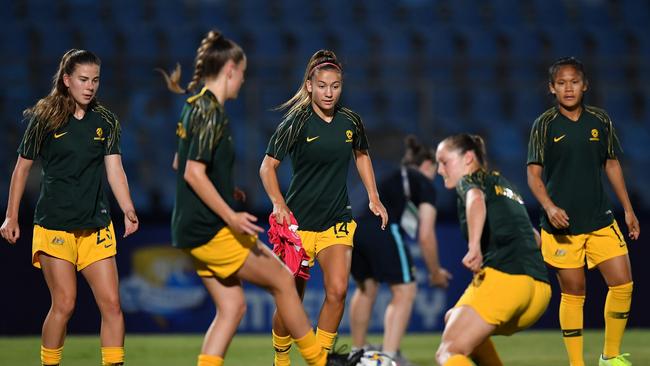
{"type": "Point", "coordinates": [525, 349]}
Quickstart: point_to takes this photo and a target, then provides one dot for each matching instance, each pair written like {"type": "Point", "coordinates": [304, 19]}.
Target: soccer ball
{"type": "Point", "coordinates": [375, 358]}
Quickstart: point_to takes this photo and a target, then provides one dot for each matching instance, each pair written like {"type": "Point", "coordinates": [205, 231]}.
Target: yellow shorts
{"type": "Point", "coordinates": [569, 251]}
{"type": "Point", "coordinates": [79, 247]}
{"type": "Point", "coordinates": [511, 302]}
{"type": "Point", "coordinates": [315, 241]}
{"type": "Point", "coordinates": [223, 255]}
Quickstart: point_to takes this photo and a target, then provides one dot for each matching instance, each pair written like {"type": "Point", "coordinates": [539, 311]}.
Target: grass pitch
{"type": "Point", "coordinates": [530, 348]}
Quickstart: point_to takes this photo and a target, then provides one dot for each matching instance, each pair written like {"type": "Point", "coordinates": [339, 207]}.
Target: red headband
{"type": "Point", "coordinates": [324, 64]}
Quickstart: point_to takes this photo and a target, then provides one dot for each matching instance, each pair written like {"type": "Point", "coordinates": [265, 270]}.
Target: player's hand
{"type": "Point", "coordinates": [633, 227]}
{"type": "Point", "coordinates": [558, 217]}
{"type": "Point", "coordinates": [239, 195]}
{"type": "Point", "coordinates": [10, 230]}
{"type": "Point", "coordinates": [473, 260]}
{"type": "Point", "coordinates": [244, 223]}
{"type": "Point", "coordinates": [440, 278]}
{"type": "Point", "coordinates": [131, 223]}
{"type": "Point", "coordinates": [378, 209]}
{"type": "Point", "coordinates": [282, 214]}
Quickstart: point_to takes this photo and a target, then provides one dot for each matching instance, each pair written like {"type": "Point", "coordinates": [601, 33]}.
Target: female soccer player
{"type": "Point", "coordinates": [510, 289]}
{"type": "Point", "coordinates": [320, 136]}
{"type": "Point", "coordinates": [570, 146]}
{"type": "Point", "coordinates": [76, 138]}
{"type": "Point", "coordinates": [382, 256]}
{"type": "Point", "coordinates": [223, 242]}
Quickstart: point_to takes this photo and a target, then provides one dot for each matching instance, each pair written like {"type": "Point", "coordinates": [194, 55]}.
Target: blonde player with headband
{"type": "Point", "coordinates": [321, 137]}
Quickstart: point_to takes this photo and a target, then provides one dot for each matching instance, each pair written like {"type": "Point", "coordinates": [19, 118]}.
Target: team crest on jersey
{"type": "Point", "coordinates": [180, 130]}
{"type": "Point", "coordinates": [348, 135]}
{"type": "Point", "coordinates": [58, 240]}
{"type": "Point", "coordinates": [594, 135]}
{"type": "Point", "coordinates": [99, 134]}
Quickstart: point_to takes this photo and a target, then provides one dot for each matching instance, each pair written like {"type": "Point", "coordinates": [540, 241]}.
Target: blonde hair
{"type": "Point", "coordinates": [213, 53]}
{"type": "Point", "coordinates": [52, 111]}
{"type": "Point", "coordinates": [321, 60]}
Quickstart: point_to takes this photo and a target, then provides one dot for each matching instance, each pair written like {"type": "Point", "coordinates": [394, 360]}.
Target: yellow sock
{"type": "Point", "coordinates": [325, 338]}
{"type": "Point", "coordinates": [311, 350]}
{"type": "Point", "coordinates": [458, 360]}
{"type": "Point", "coordinates": [282, 347]}
{"type": "Point", "coordinates": [486, 354]}
{"type": "Point", "coordinates": [617, 309]}
{"type": "Point", "coordinates": [209, 360]}
{"type": "Point", "coordinates": [112, 356]}
{"type": "Point", "coordinates": [571, 324]}
{"type": "Point", "coordinates": [51, 356]}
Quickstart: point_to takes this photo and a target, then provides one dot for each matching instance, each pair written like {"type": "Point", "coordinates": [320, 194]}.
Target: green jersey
{"type": "Point", "coordinates": [203, 135]}
{"type": "Point", "coordinates": [507, 242]}
{"type": "Point", "coordinates": [320, 157]}
{"type": "Point", "coordinates": [72, 185]}
{"type": "Point", "coordinates": [573, 154]}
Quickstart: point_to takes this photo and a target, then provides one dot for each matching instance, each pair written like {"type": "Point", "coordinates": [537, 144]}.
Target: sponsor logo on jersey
{"type": "Point", "coordinates": [57, 240]}
{"type": "Point", "coordinates": [557, 139]}
{"type": "Point", "coordinates": [57, 135]}
{"type": "Point", "coordinates": [560, 253]}
{"type": "Point", "coordinates": [310, 139]}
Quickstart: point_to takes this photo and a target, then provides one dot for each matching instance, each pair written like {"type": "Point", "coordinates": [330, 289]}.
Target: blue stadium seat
{"type": "Point", "coordinates": [421, 13]}
{"type": "Point", "coordinates": [529, 104]}
{"type": "Point", "coordinates": [608, 42]}
{"type": "Point", "coordinates": [141, 41]}
{"type": "Point", "coordinates": [487, 105]}
{"type": "Point", "coordinates": [594, 13]}
{"type": "Point", "coordinates": [298, 13]}
{"type": "Point", "coordinates": [465, 13]}
{"type": "Point", "coordinates": [91, 10]}
{"type": "Point", "coordinates": [256, 12]}
{"type": "Point", "coordinates": [507, 13]}
{"type": "Point", "coordinates": [550, 13]}
{"type": "Point", "coordinates": [402, 110]}
{"type": "Point", "coordinates": [14, 41]}
{"type": "Point", "coordinates": [170, 13]}
{"type": "Point", "coordinates": [182, 41]}
{"type": "Point", "coordinates": [363, 103]}
{"type": "Point", "coordinates": [54, 39]}
{"type": "Point", "coordinates": [97, 38]}
{"type": "Point", "coordinates": [636, 12]}
{"type": "Point", "coordinates": [213, 14]}
{"type": "Point", "coordinates": [354, 51]}
{"type": "Point", "coordinates": [127, 13]}
{"type": "Point", "coordinates": [565, 41]}
{"type": "Point", "coordinates": [618, 104]}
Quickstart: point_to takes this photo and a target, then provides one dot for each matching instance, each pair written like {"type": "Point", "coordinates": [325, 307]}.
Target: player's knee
{"type": "Point", "coordinates": [449, 348]}
{"type": "Point", "coordinates": [235, 308]}
{"type": "Point", "coordinates": [282, 281]}
{"type": "Point", "coordinates": [448, 314]}
{"type": "Point", "coordinates": [110, 307]}
{"type": "Point", "coordinates": [404, 293]}
{"type": "Point", "coordinates": [336, 292]}
{"type": "Point", "coordinates": [63, 305]}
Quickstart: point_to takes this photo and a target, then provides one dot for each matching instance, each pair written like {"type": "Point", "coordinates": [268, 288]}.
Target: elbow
{"type": "Point", "coordinates": [189, 177]}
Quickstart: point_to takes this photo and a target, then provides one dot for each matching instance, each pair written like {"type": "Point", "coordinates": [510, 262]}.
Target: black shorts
{"type": "Point", "coordinates": [381, 255]}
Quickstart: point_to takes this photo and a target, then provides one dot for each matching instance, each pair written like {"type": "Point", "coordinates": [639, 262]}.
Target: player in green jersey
{"type": "Point", "coordinates": [321, 137]}
{"type": "Point", "coordinates": [570, 147]}
{"type": "Point", "coordinates": [76, 139]}
{"type": "Point", "coordinates": [510, 289]}
{"type": "Point", "coordinates": [222, 242]}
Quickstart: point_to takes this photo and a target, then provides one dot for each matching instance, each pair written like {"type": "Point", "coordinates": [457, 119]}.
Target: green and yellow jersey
{"type": "Point", "coordinates": [72, 186]}
{"type": "Point", "coordinates": [320, 157]}
{"type": "Point", "coordinates": [203, 135]}
{"type": "Point", "coordinates": [507, 242]}
{"type": "Point", "coordinates": [573, 155]}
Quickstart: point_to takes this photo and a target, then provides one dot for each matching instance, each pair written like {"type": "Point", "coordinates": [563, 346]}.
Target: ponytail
{"type": "Point", "coordinates": [213, 53]}
{"type": "Point", "coordinates": [465, 142]}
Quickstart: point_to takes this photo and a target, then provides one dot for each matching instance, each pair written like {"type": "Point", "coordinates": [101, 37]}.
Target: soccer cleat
{"type": "Point", "coordinates": [619, 360]}
{"type": "Point", "coordinates": [344, 359]}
